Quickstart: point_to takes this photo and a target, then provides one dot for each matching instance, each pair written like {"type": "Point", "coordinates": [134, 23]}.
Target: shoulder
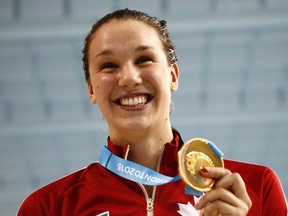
{"type": "Point", "coordinates": [254, 175]}
{"type": "Point", "coordinates": [263, 187]}
{"type": "Point", "coordinates": [245, 168]}
{"type": "Point", "coordinates": [43, 200]}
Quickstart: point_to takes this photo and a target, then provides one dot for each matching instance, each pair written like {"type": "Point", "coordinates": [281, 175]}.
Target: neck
{"type": "Point", "coordinates": [147, 152]}
{"type": "Point", "coordinates": [145, 148]}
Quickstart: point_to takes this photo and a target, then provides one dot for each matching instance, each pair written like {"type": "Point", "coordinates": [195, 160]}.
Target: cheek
{"type": "Point", "coordinates": [102, 85]}
{"type": "Point", "coordinates": [159, 78]}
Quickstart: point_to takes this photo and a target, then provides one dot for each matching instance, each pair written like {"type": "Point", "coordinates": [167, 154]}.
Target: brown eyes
{"type": "Point", "coordinates": [142, 61]}
{"type": "Point", "coordinates": [108, 65]}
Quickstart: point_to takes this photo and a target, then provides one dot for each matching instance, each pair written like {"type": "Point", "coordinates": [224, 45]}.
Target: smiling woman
{"type": "Point", "coordinates": [131, 71]}
{"type": "Point", "coordinates": [127, 64]}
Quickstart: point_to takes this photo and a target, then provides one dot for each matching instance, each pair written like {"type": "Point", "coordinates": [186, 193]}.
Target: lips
{"type": "Point", "coordinates": [134, 101]}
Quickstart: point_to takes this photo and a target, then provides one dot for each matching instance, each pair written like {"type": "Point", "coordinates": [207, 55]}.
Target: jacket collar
{"type": "Point", "coordinates": [169, 161]}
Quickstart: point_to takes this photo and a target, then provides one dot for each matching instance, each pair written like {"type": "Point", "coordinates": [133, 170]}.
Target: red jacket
{"type": "Point", "coordinates": [96, 191]}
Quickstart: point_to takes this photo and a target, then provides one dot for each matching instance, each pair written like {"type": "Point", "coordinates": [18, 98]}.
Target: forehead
{"type": "Point", "coordinates": [126, 32]}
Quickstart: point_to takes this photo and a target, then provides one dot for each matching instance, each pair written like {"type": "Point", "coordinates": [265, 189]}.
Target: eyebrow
{"type": "Point", "coordinates": [110, 52]}
{"type": "Point", "coordinates": [143, 48]}
{"type": "Point", "coordinates": [105, 52]}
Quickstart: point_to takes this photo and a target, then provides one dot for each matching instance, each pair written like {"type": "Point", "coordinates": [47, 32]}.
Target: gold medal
{"type": "Point", "coordinates": [195, 154]}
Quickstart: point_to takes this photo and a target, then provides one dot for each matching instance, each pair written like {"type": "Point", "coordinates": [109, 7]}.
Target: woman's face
{"type": "Point", "coordinates": [130, 78]}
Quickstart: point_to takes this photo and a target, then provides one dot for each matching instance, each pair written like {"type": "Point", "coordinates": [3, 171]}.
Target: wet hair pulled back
{"type": "Point", "coordinates": [126, 14]}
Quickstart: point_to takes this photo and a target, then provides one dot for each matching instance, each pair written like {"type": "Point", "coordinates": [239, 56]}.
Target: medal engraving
{"type": "Point", "coordinates": [194, 155]}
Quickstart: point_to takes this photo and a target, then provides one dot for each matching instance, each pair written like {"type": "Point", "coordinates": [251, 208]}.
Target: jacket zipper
{"type": "Point", "coordinates": [150, 207]}
{"type": "Point", "coordinates": [150, 201]}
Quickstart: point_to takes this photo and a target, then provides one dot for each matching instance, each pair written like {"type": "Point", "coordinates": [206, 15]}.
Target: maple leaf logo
{"type": "Point", "coordinates": [187, 210]}
{"type": "Point", "coordinates": [104, 214]}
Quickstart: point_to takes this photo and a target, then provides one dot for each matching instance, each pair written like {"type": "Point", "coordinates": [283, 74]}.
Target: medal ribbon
{"type": "Point", "coordinates": [141, 174]}
{"type": "Point", "coordinates": [132, 171]}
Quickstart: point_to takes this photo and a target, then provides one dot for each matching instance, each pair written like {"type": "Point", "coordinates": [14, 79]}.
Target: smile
{"type": "Point", "coordinates": [134, 101]}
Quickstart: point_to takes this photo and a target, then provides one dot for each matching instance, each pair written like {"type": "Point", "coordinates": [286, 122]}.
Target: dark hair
{"type": "Point", "coordinates": [126, 14]}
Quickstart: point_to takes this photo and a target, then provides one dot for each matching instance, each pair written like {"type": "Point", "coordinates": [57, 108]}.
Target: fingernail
{"type": "Point", "coordinates": [204, 170]}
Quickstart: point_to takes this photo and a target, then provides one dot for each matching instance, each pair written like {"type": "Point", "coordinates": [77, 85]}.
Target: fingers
{"type": "Point", "coordinates": [215, 195]}
{"type": "Point", "coordinates": [227, 180]}
{"type": "Point", "coordinates": [221, 198]}
{"type": "Point", "coordinates": [236, 185]}
{"type": "Point", "coordinates": [229, 196]}
{"type": "Point", "coordinates": [221, 208]}
{"type": "Point", "coordinates": [214, 173]}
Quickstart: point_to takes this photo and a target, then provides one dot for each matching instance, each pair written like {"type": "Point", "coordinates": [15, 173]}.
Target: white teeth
{"type": "Point", "coordinates": [135, 101]}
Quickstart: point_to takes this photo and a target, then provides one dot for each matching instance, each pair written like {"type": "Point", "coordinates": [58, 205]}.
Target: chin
{"type": "Point", "coordinates": [135, 125]}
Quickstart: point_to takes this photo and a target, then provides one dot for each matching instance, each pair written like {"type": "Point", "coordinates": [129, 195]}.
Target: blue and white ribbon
{"type": "Point", "coordinates": [141, 174]}
{"type": "Point", "coordinates": [132, 171]}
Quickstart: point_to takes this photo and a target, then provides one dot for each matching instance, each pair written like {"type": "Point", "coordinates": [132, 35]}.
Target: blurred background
{"type": "Point", "coordinates": [233, 58]}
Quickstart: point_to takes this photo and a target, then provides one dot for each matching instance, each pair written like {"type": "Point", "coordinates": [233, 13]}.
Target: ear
{"type": "Point", "coordinates": [174, 77]}
{"type": "Point", "coordinates": [91, 94]}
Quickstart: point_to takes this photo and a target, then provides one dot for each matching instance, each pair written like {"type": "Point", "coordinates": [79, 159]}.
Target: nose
{"type": "Point", "coordinates": [129, 76]}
